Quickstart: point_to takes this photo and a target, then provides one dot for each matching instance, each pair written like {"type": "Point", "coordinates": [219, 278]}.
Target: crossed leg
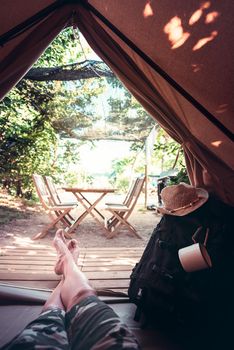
{"type": "Point", "coordinates": [88, 323]}
{"type": "Point", "coordinates": [54, 300]}
{"type": "Point", "coordinates": [48, 331]}
{"type": "Point", "coordinates": [91, 324]}
{"type": "Point", "coordinates": [75, 285]}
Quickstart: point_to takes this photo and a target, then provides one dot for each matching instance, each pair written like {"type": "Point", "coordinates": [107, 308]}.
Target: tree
{"type": "Point", "coordinates": [26, 146]}
{"type": "Point", "coordinates": [168, 155]}
{"type": "Point", "coordinates": [126, 115]}
{"type": "Point", "coordinates": [34, 116]}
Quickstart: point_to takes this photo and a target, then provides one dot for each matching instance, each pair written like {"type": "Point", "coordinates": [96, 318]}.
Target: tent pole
{"type": "Point", "coordinates": [146, 185]}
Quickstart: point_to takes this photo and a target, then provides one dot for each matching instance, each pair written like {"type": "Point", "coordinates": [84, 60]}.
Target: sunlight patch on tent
{"type": "Point", "coordinates": [175, 32]}
{"type": "Point", "coordinates": [195, 17]}
{"type": "Point", "coordinates": [222, 108]}
{"type": "Point", "coordinates": [211, 17]}
{"type": "Point", "coordinates": [202, 42]}
{"type": "Point", "coordinates": [198, 13]}
{"type": "Point", "coordinates": [216, 143]}
{"type": "Point", "coordinates": [148, 11]}
{"type": "Point", "coordinates": [196, 67]}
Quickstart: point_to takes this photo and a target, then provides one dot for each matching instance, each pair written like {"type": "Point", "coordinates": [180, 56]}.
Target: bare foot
{"type": "Point", "coordinates": [60, 234]}
{"type": "Point", "coordinates": [74, 249]}
{"type": "Point", "coordinates": [62, 247]}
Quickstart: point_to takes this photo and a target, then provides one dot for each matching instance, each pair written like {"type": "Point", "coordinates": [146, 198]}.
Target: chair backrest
{"type": "Point", "coordinates": [130, 191]}
{"type": "Point", "coordinates": [135, 193]}
{"type": "Point", "coordinates": [130, 202]}
{"type": "Point", "coordinates": [42, 190]}
{"type": "Point", "coordinates": [52, 190]}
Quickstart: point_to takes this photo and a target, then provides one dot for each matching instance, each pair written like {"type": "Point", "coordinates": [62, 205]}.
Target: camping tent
{"type": "Point", "coordinates": [175, 57]}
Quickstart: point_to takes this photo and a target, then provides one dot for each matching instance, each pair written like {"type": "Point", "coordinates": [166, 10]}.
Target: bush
{"type": "Point", "coordinates": [181, 176]}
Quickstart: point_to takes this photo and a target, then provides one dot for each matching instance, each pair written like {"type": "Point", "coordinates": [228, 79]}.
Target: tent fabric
{"type": "Point", "coordinates": [190, 41]}
{"type": "Point", "coordinates": [18, 55]}
{"type": "Point", "coordinates": [168, 108]}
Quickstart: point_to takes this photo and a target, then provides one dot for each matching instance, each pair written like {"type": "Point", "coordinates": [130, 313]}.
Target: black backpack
{"type": "Point", "coordinates": [164, 293]}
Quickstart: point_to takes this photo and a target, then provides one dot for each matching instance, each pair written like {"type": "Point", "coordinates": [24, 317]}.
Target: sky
{"type": "Point", "coordinates": [99, 159]}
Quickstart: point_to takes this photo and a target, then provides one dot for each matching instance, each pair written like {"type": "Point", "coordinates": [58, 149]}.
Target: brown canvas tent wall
{"type": "Point", "coordinates": [175, 57]}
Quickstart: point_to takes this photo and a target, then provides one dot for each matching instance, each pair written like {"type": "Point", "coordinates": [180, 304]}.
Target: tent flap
{"type": "Point", "coordinates": [176, 59]}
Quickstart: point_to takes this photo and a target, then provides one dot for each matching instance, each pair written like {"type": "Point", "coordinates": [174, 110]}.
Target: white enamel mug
{"type": "Point", "coordinates": [194, 258]}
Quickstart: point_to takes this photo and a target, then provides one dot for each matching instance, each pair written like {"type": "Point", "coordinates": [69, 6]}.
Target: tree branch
{"type": "Point", "coordinates": [98, 135]}
{"type": "Point", "coordinates": [74, 71]}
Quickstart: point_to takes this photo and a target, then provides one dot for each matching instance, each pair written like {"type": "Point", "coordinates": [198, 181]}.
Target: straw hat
{"type": "Point", "coordinates": [182, 199]}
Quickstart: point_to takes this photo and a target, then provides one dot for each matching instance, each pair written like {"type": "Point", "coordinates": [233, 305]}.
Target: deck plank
{"type": "Point", "coordinates": [106, 268]}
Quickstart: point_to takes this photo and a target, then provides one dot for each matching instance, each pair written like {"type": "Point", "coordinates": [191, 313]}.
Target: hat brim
{"type": "Point", "coordinates": [203, 196]}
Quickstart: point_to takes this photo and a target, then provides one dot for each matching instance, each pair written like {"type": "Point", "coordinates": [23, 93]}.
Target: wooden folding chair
{"type": "Point", "coordinates": [127, 197]}
{"type": "Point", "coordinates": [113, 220]}
{"type": "Point", "coordinates": [57, 197]}
{"type": "Point", "coordinates": [59, 213]}
{"type": "Point", "coordinates": [122, 211]}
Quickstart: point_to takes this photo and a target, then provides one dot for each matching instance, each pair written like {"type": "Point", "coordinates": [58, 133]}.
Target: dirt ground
{"type": "Point", "coordinates": [19, 222]}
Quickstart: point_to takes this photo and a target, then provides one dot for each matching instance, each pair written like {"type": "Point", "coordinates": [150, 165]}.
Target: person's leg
{"type": "Point", "coordinates": [47, 331]}
{"type": "Point", "coordinates": [91, 324]}
{"type": "Point", "coordinates": [75, 284]}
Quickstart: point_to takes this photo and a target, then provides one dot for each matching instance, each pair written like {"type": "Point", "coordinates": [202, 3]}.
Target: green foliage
{"type": "Point", "coordinates": [125, 169]}
{"type": "Point", "coordinates": [62, 51]}
{"type": "Point", "coordinates": [119, 178]}
{"type": "Point", "coordinates": [27, 141]}
{"type": "Point", "coordinates": [127, 113]}
{"type": "Point", "coordinates": [137, 146]}
{"type": "Point", "coordinates": [166, 151]}
{"type": "Point", "coordinates": [35, 116]}
{"type": "Point", "coordinates": [181, 176]}
{"type": "Point", "coordinates": [122, 184]}
{"type": "Point", "coordinates": [119, 166]}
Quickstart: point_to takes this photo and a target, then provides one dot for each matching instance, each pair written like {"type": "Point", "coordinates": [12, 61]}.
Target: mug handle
{"type": "Point", "coordinates": [197, 232]}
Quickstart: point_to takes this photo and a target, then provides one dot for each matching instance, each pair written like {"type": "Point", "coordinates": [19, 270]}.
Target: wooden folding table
{"type": "Point", "coordinates": [90, 207]}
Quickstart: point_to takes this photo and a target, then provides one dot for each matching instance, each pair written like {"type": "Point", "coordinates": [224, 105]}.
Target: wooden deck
{"type": "Point", "coordinates": [106, 268]}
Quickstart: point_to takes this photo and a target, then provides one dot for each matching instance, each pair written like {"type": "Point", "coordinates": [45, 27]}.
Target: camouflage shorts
{"type": "Point", "coordinates": [89, 325]}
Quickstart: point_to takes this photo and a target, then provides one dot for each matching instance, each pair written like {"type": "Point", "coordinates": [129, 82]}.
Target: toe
{"type": "Point", "coordinates": [74, 248]}
{"type": "Point", "coordinates": [60, 234]}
